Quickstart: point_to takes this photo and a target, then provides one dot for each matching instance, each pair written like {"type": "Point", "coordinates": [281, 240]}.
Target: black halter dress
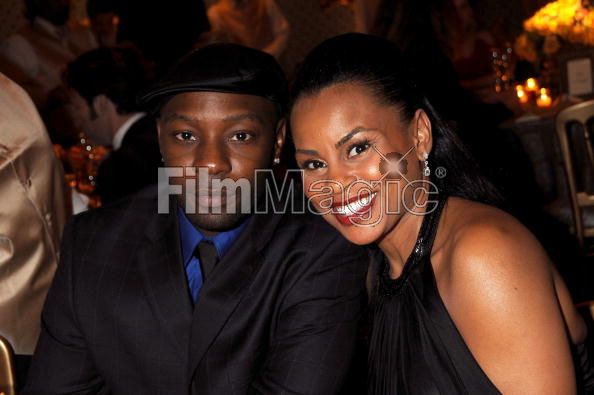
{"type": "Point", "coordinates": [415, 347]}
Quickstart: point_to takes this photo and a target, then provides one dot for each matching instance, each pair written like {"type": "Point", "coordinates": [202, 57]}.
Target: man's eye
{"type": "Point", "coordinates": [185, 136]}
{"type": "Point", "coordinates": [314, 165]}
{"type": "Point", "coordinates": [358, 149]}
{"type": "Point", "coordinates": [241, 136]}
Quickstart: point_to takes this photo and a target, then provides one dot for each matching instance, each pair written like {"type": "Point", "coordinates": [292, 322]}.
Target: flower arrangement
{"type": "Point", "coordinates": [570, 21]}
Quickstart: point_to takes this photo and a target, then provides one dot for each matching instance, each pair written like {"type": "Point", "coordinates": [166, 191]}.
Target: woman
{"type": "Point", "coordinates": [466, 300]}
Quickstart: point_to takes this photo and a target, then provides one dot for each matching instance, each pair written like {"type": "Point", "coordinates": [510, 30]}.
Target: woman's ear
{"type": "Point", "coordinates": [422, 134]}
{"type": "Point", "coordinates": [281, 132]}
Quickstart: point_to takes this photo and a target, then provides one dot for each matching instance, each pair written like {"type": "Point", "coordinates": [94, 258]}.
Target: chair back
{"type": "Point", "coordinates": [7, 370]}
{"type": "Point", "coordinates": [580, 114]}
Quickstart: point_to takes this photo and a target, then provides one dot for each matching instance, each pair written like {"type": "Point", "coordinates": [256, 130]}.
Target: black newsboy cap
{"type": "Point", "coordinates": [226, 68]}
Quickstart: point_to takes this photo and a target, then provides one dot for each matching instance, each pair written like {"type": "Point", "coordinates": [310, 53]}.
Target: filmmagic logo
{"type": "Point", "coordinates": [203, 194]}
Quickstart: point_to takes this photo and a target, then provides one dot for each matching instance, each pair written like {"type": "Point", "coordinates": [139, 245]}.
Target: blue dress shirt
{"type": "Point", "coordinates": [190, 237]}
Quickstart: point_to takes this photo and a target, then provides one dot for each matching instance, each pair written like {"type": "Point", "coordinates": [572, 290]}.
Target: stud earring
{"type": "Point", "coordinates": [426, 170]}
{"type": "Point", "coordinates": [276, 161]}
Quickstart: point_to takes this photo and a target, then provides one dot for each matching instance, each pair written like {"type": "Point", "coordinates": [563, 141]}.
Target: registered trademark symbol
{"type": "Point", "coordinates": [440, 172]}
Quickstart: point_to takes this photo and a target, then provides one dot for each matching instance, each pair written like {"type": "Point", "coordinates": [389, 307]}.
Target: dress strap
{"type": "Point", "coordinates": [429, 226]}
{"type": "Point", "coordinates": [421, 250]}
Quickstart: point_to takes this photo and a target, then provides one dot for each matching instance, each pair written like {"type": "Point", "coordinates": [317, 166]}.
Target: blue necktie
{"type": "Point", "coordinates": [204, 260]}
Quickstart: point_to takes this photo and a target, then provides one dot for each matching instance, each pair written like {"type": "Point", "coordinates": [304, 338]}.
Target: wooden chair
{"type": "Point", "coordinates": [581, 114]}
{"type": "Point", "coordinates": [7, 369]}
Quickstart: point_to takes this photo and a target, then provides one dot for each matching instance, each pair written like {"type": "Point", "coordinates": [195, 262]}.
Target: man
{"type": "Point", "coordinates": [105, 21]}
{"type": "Point", "coordinates": [104, 84]}
{"type": "Point", "coordinates": [33, 210]}
{"type": "Point", "coordinates": [205, 299]}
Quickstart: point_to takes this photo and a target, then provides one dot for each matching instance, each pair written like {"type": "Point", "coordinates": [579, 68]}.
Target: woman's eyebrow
{"type": "Point", "coordinates": [350, 135]}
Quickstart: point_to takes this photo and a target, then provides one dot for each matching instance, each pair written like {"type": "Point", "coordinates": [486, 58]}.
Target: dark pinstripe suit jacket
{"type": "Point", "coordinates": [278, 314]}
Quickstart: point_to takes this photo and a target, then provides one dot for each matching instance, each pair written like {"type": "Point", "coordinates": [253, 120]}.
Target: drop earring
{"type": "Point", "coordinates": [426, 170]}
{"type": "Point", "coordinates": [276, 161]}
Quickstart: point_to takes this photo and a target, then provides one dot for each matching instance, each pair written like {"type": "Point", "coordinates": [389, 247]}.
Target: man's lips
{"type": "Point", "coordinates": [212, 198]}
{"type": "Point", "coordinates": [353, 208]}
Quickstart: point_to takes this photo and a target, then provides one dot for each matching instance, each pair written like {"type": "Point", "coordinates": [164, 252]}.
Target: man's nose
{"type": "Point", "coordinates": [214, 156]}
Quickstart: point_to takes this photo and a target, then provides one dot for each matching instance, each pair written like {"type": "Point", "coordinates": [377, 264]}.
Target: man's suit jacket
{"type": "Point", "coordinates": [278, 314]}
{"type": "Point", "coordinates": [132, 166]}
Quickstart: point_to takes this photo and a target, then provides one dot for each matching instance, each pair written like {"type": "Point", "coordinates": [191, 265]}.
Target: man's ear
{"type": "Point", "coordinates": [100, 106]}
{"type": "Point", "coordinates": [281, 132]}
{"type": "Point", "coordinates": [422, 134]}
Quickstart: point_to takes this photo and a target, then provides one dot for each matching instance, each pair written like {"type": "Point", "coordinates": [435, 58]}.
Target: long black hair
{"type": "Point", "coordinates": [380, 66]}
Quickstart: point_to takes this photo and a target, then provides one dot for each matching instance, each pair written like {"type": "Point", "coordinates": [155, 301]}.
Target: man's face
{"type": "Point", "coordinates": [227, 135]}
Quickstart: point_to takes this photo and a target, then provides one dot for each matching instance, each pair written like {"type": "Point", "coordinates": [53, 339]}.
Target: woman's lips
{"type": "Point", "coordinates": [354, 210]}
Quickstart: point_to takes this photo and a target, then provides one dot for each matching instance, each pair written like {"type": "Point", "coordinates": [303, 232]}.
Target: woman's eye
{"type": "Point", "coordinates": [185, 136]}
{"type": "Point", "coordinates": [314, 165]}
{"type": "Point", "coordinates": [241, 136]}
{"type": "Point", "coordinates": [358, 149]}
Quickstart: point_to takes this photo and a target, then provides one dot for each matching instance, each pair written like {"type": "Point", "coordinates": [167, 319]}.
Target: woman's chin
{"type": "Point", "coordinates": [357, 233]}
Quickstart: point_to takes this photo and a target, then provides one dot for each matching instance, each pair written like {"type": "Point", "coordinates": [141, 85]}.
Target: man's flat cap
{"type": "Point", "coordinates": [226, 68]}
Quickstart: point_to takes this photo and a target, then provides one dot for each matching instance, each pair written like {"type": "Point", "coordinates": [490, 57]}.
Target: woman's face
{"type": "Point", "coordinates": [361, 162]}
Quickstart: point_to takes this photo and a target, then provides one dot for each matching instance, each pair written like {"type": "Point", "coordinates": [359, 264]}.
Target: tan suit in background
{"type": "Point", "coordinates": [33, 209]}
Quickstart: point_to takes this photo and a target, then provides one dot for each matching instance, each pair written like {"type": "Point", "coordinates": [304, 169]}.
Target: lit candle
{"type": "Point", "coordinates": [544, 100]}
{"type": "Point", "coordinates": [531, 85]}
{"type": "Point", "coordinates": [522, 96]}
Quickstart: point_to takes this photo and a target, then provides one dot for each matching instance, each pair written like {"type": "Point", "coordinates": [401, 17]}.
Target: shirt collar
{"type": "Point", "coordinates": [190, 237]}
{"type": "Point", "coordinates": [118, 137]}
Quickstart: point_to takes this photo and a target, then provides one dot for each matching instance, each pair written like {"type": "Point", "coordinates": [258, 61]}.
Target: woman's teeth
{"type": "Point", "coordinates": [356, 206]}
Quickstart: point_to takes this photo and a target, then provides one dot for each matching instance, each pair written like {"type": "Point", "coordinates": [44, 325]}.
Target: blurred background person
{"type": "Point", "coordinates": [34, 207]}
{"type": "Point", "coordinates": [362, 11]}
{"type": "Point", "coordinates": [105, 21]}
{"type": "Point", "coordinates": [103, 85]}
{"type": "Point", "coordinates": [257, 24]}
{"type": "Point", "coordinates": [35, 56]}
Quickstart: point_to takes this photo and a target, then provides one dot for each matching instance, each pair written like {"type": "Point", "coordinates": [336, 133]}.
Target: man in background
{"type": "Point", "coordinates": [33, 210]}
{"type": "Point", "coordinates": [105, 21]}
{"type": "Point", "coordinates": [103, 85]}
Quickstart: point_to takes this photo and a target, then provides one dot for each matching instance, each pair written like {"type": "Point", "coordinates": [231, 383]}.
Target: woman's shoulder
{"type": "Point", "coordinates": [474, 227]}
{"type": "Point", "coordinates": [495, 281]}
{"type": "Point", "coordinates": [481, 243]}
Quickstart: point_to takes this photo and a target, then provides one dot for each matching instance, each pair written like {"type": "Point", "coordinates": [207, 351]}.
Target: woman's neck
{"type": "Point", "coordinates": [399, 242]}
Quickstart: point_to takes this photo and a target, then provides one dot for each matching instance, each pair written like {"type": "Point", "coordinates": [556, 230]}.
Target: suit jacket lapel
{"type": "Point", "coordinates": [227, 285]}
{"type": "Point", "coordinates": [165, 280]}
